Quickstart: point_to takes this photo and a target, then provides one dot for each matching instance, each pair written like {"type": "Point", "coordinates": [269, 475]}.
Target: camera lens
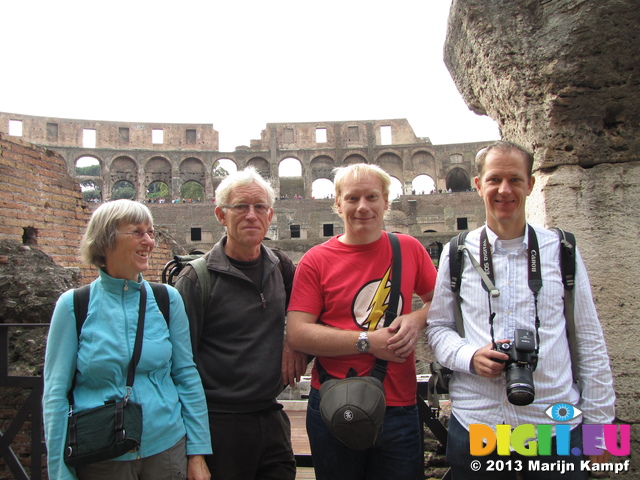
{"type": "Point", "coordinates": [520, 389]}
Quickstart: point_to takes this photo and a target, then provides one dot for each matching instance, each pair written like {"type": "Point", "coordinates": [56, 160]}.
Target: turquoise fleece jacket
{"type": "Point", "coordinates": [167, 384]}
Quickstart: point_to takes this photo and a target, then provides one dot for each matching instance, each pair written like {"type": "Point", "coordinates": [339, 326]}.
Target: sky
{"type": "Point", "coordinates": [235, 64]}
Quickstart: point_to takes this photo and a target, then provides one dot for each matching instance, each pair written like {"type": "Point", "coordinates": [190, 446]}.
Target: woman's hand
{"type": "Point", "coordinates": [197, 469]}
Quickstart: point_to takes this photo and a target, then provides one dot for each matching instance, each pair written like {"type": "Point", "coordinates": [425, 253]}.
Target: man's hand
{"type": "Point", "coordinates": [197, 468]}
{"type": "Point", "coordinates": [604, 457]}
{"type": "Point", "coordinates": [294, 365]}
{"type": "Point", "coordinates": [406, 332]}
{"type": "Point", "coordinates": [484, 361]}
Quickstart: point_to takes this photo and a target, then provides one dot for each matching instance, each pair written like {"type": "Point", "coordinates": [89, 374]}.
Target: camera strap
{"type": "Point", "coordinates": [534, 276]}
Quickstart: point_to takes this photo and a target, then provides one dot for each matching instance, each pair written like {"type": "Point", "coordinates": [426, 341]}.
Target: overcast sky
{"type": "Point", "coordinates": [235, 64]}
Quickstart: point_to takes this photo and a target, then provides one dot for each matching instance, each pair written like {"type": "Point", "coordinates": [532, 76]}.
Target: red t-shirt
{"type": "Point", "coordinates": [348, 286]}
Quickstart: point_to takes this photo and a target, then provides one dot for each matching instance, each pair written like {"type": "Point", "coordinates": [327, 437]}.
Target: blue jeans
{"type": "Point", "coordinates": [505, 467]}
{"type": "Point", "coordinates": [397, 454]}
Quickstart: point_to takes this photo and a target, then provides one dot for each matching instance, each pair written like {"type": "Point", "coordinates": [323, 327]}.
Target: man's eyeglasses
{"type": "Point", "coordinates": [139, 234]}
{"type": "Point", "coordinates": [243, 208]}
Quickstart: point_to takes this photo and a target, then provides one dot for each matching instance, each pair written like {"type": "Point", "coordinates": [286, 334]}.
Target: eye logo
{"type": "Point", "coordinates": [562, 412]}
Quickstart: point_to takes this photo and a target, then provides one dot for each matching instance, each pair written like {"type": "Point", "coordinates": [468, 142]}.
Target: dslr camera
{"type": "Point", "coordinates": [521, 364]}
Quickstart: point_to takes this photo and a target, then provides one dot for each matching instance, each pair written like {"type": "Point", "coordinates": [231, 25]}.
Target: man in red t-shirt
{"type": "Point", "coordinates": [336, 313]}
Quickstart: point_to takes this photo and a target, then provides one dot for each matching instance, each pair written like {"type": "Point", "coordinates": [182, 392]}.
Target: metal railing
{"type": "Point", "coordinates": [32, 408]}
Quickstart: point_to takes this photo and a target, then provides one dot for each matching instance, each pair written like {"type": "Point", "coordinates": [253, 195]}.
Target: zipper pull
{"type": "Point", "coordinates": [264, 302]}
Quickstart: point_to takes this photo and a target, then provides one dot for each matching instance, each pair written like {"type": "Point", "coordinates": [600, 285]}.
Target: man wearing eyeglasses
{"type": "Point", "coordinates": [238, 336]}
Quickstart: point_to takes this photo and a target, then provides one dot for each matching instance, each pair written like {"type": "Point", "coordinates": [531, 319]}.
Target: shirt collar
{"type": "Point", "coordinates": [493, 239]}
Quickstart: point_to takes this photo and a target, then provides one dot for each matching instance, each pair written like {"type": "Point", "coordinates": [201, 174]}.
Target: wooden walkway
{"type": "Point", "coordinates": [300, 443]}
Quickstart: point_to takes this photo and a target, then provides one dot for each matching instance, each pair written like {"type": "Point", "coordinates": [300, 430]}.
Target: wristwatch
{"type": "Point", "coordinates": [363, 342]}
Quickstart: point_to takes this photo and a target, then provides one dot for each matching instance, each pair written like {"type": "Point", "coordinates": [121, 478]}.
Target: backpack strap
{"type": "Point", "coordinates": [204, 279]}
{"type": "Point", "coordinates": [81, 297]}
{"type": "Point", "coordinates": [161, 295]}
{"type": "Point", "coordinates": [568, 271]}
{"type": "Point", "coordinates": [81, 305]}
{"type": "Point", "coordinates": [456, 255]}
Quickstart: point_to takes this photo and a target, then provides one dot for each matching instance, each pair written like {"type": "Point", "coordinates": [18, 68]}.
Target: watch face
{"type": "Point", "coordinates": [363, 344]}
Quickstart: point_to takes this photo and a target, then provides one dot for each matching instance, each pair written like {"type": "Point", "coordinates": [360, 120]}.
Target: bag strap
{"type": "Point", "coordinates": [204, 279]}
{"type": "Point", "coordinates": [161, 295]}
{"type": "Point", "coordinates": [81, 299]}
{"type": "Point", "coordinates": [568, 271]}
{"type": "Point", "coordinates": [379, 370]}
{"type": "Point", "coordinates": [456, 256]}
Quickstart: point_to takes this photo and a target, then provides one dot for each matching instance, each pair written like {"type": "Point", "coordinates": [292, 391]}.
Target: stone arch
{"type": "Point", "coordinates": [157, 169]}
{"type": "Point", "coordinates": [124, 186]}
{"type": "Point", "coordinates": [354, 158]}
{"type": "Point", "coordinates": [192, 169]}
{"type": "Point", "coordinates": [290, 163]}
{"type": "Point", "coordinates": [90, 177]}
{"type": "Point", "coordinates": [396, 189]}
{"type": "Point", "coordinates": [123, 168]}
{"type": "Point", "coordinates": [391, 163]}
{"type": "Point", "coordinates": [85, 157]}
{"type": "Point", "coordinates": [192, 191]}
{"type": "Point", "coordinates": [424, 162]}
{"type": "Point", "coordinates": [322, 188]}
{"type": "Point", "coordinates": [458, 180]}
{"type": "Point", "coordinates": [91, 189]}
{"type": "Point", "coordinates": [262, 167]}
{"type": "Point", "coordinates": [158, 192]}
{"type": "Point", "coordinates": [291, 186]}
{"type": "Point", "coordinates": [227, 164]}
{"type": "Point", "coordinates": [423, 184]}
{"type": "Point", "coordinates": [322, 167]}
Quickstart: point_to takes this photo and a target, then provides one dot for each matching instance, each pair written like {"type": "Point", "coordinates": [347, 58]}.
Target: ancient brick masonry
{"type": "Point", "coordinates": [36, 192]}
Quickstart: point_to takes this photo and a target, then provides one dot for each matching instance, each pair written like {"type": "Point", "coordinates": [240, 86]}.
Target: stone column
{"type": "Point", "coordinates": [562, 78]}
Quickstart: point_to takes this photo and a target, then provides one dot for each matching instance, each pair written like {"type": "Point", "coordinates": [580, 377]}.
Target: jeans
{"type": "Point", "coordinates": [506, 467]}
{"type": "Point", "coordinates": [396, 455]}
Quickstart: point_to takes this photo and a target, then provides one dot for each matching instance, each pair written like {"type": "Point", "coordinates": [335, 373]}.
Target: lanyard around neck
{"type": "Point", "coordinates": [534, 274]}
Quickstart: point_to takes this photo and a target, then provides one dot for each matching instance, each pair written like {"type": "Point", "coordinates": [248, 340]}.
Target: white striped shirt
{"type": "Point", "coordinates": [477, 399]}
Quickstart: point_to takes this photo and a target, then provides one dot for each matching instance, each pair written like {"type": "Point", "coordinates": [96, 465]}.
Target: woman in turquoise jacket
{"type": "Point", "coordinates": [175, 435]}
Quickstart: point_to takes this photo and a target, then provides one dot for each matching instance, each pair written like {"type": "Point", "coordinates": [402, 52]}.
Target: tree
{"type": "Point", "coordinates": [218, 171]}
{"type": "Point", "coordinates": [192, 190]}
{"type": "Point", "coordinates": [158, 190]}
{"type": "Point", "coordinates": [91, 170]}
{"type": "Point", "coordinates": [123, 189]}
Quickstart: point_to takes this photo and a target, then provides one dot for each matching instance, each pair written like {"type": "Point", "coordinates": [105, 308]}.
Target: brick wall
{"type": "Point", "coordinates": [37, 192]}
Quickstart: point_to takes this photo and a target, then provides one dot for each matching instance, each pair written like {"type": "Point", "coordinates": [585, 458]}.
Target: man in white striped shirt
{"type": "Point", "coordinates": [478, 386]}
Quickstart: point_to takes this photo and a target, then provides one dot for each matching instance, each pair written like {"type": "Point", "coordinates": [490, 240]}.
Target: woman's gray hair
{"type": "Point", "coordinates": [102, 229]}
{"type": "Point", "coordinates": [242, 178]}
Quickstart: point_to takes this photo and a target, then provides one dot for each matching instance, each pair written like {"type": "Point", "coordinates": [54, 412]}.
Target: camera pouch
{"type": "Point", "coordinates": [103, 433]}
{"type": "Point", "coordinates": [353, 410]}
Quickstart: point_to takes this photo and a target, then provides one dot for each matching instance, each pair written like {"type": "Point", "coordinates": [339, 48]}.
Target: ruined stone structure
{"type": "Point", "coordinates": [563, 79]}
{"type": "Point", "coordinates": [175, 154]}
{"type": "Point", "coordinates": [188, 153]}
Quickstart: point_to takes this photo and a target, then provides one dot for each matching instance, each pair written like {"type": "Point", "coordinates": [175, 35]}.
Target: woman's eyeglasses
{"type": "Point", "coordinates": [139, 234]}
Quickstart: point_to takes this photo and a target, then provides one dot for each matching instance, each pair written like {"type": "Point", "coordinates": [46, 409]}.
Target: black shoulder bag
{"type": "Point", "coordinates": [112, 429]}
{"type": "Point", "coordinates": [353, 408]}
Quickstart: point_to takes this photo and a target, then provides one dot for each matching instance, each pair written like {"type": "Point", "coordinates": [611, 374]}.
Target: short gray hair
{"type": "Point", "coordinates": [100, 235]}
{"type": "Point", "coordinates": [243, 178]}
